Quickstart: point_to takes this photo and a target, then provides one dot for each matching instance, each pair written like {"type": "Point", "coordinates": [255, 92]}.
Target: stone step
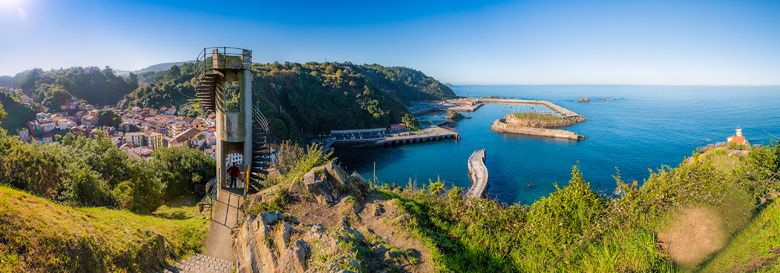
{"type": "Point", "coordinates": [200, 263]}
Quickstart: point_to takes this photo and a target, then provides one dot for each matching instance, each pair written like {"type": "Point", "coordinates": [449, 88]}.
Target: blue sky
{"type": "Point", "coordinates": [465, 42]}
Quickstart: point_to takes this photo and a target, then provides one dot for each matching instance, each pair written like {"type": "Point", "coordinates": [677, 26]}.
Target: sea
{"type": "Point", "coordinates": [631, 131]}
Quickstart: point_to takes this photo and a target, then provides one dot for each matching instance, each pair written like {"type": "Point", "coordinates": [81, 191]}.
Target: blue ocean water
{"type": "Point", "coordinates": [639, 129]}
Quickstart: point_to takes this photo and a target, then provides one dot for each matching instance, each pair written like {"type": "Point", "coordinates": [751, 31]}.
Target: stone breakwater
{"type": "Point", "coordinates": [502, 127]}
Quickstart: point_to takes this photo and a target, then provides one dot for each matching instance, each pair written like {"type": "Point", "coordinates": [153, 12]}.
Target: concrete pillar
{"type": "Point", "coordinates": [248, 121]}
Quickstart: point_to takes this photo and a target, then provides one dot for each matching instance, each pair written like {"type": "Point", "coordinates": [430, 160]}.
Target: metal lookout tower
{"type": "Point", "coordinates": [224, 86]}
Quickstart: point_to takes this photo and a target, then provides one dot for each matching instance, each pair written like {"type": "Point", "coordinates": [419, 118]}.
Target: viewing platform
{"type": "Point", "coordinates": [478, 174]}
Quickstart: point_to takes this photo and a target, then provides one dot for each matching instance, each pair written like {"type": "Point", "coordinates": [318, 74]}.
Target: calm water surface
{"type": "Point", "coordinates": [642, 128]}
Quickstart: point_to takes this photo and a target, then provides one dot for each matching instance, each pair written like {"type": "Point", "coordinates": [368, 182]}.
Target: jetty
{"type": "Point", "coordinates": [478, 174]}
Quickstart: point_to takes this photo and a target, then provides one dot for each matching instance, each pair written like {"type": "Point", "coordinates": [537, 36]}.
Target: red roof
{"type": "Point", "coordinates": [737, 139]}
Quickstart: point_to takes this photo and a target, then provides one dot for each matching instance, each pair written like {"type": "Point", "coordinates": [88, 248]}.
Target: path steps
{"type": "Point", "coordinates": [200, 263]}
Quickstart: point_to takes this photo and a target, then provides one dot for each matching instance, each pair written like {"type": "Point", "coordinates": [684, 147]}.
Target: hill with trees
{"type": "Point", "coordinates": [18, 113]}
{"type": "Point", "coordinates": [310, 98]}
{"type": "Point", "coordinates": [96, 86]}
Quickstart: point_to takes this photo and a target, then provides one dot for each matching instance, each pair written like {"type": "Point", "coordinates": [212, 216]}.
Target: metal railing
{"type": "Point", "coordinates": [223, 58]}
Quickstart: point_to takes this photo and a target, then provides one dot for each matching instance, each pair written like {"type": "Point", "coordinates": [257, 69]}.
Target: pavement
{"type": "Point", "coordinates": [225, 215]}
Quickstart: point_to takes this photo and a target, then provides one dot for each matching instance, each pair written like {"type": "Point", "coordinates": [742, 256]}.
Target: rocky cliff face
{"type": "Point", "coordinates": [331, 222]}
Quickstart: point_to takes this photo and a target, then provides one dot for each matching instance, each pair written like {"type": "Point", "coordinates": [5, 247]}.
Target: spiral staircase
{"type": "Point", "coordinates": [261, 150]}
{"type": "Point", "coordinates": [261, 133]}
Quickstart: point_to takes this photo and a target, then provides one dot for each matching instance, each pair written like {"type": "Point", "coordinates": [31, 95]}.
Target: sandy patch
{"type": "Point", "coordinates": [692, 235]}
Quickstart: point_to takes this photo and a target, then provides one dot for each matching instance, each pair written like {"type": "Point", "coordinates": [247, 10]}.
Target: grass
{"type": "Point", "coordinates": [754, 249]}
{"type": "Point", "coordinates": [41, 236]}
{"type": "Point", "coordinates": [536, 116]}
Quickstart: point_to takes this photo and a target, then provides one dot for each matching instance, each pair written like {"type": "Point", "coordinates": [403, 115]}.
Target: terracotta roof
{"type": "Point", "coordinates": [736, 139]}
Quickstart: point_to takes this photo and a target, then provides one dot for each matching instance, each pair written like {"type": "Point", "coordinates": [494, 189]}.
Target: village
{"type": "Point", "coordinates": [137, 131]}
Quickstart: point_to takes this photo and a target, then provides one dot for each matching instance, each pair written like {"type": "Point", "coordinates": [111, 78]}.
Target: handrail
{"type": "Point", "coordinates": [205, 62]}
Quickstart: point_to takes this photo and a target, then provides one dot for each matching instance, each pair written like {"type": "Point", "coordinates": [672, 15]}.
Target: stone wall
{"type": "Point", "coordinates": [503, 127]}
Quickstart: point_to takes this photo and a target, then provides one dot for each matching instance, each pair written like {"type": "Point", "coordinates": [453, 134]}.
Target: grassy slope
{"type": "Point", "coordinates": [39, 235]}
{"type": "Point", "coordinates": [755, 249]}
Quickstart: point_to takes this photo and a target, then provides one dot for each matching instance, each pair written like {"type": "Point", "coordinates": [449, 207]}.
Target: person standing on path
{"type": "Point", "coordinates": [234, 172]}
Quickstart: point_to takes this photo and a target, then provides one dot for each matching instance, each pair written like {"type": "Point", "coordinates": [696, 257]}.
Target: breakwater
{"type": "Point", "coordinates": [502, 127]}
{"type": "Point", "coordinates": [478, 174]}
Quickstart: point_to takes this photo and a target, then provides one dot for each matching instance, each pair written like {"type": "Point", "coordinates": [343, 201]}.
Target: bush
{"type": "Point", "coordinates": [182, 170]}
{"type": "Point", "coordinates": [92, 172]}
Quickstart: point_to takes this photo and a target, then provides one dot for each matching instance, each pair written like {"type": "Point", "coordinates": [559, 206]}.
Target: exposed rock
{"type": "Point", "coordinates": [295, 259]}
{"type": "Point", "coordinates": [318, 186]}
{"type": "Point", "coordinates": [338, 174]}
{"type": "Point", "coordinates": [379, 210]}
{"type": "Point", "coordinates": [282, 237]}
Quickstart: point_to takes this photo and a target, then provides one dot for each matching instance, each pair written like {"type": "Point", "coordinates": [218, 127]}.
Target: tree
{"type": "Point", "coordinates": [183, 170]}
{"type": "Point", "coordinates": [410, 122]}
{"type": "Point", "coordinates": [2, 112]}
{"type": "Point", "coordinates": [53, 96]}
{"type": "Point", "coordinates": [108, 118]}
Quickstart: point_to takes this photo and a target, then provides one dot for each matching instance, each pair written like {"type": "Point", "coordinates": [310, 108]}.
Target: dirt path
{"type": "Point", "coordinates": [692, 235]}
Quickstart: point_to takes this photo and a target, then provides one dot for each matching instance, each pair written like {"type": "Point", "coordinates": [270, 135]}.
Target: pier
{"type": "Point", "coordinates": [378, 137]}
{"type": "Point", "coordinates": [478, 174]}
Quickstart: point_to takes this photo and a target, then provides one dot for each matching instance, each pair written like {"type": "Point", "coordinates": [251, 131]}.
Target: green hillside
{"type": "Point", "coordinates": [37, 235]}
{"type": "Point", "coordinates": [308, 98]}
{"type": "Point", "coordinates": [18, 113]}
{"type": "Point", "coordinates": [95, 85]}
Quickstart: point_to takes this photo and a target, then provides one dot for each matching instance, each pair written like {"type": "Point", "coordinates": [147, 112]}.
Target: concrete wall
{"type": "Point", "coordinates": [502, 127]}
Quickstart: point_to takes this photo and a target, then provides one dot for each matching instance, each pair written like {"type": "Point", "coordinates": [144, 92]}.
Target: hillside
{"type": "Point", "coordinates": [159, 67]}
{"type": "Point", "coordinates": [37, 235]}
{"type": "Point", "coordinates": [679, 219]}
{"type": "Point", "coordinates": [403, 83]}
{"type": "Point", "coordinates": [18, 113]}
{"type": "Point", "coordinates": [308, 98]}
{"type": "Point", "coordinates": [95, 85]}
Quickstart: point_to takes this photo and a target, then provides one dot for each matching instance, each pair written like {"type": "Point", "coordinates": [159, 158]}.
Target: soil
{"type": "Point", "coordinates": [692, 235]}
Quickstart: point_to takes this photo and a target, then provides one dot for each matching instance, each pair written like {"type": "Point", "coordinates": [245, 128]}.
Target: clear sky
{"type": "Point", "coordinates": [477, 42]}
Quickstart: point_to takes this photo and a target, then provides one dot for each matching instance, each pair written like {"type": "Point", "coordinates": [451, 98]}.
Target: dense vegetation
{"type": "Point", "coordinates": [305, 99]}
{"type": "Point", "coordinates": [403, 83]}
{"type": "Point", "coordinates": [171, 87]}
{"type": "Point", "coordinates": [93, 172]}
{"type": "Point", "coordinates": [18, 113]}
{"type": "Point", "coordinates": [96, 86]}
